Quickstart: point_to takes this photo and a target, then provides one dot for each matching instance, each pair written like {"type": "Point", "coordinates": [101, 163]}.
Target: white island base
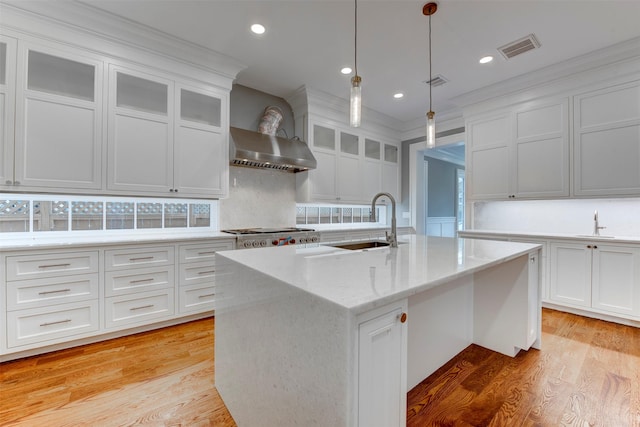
{"type": "Point", "coordinates": [315, 336]}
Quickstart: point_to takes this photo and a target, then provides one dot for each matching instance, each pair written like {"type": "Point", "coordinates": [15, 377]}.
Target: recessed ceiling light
{"type": "Point", "coordinates": [258, 29]}
{"type": "Point", "coordinates": [346, 70]}
{"type": "Point", "coordinates": [486, 59]}
{"type": "Point", "coordinates": [398, 95]}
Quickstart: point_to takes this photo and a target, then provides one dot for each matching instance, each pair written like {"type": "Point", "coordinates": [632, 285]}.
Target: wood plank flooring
{"type": "Point", "coordinates": [587, 374]}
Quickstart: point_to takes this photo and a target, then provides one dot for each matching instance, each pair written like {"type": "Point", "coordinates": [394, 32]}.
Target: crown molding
{"type": "Point", "coordinates": [572, 73]}
{"type": "Point", "coordinates": [82, 25]}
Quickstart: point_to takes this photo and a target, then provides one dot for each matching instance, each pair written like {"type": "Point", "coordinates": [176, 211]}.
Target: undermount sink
{"type": "Point", "coordinates": [368, 244]}
{"type": "Point", "coordinates": [595, 237]}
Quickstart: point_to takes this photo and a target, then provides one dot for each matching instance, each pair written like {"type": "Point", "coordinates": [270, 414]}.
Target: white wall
{"type": "Point", "coordinates": [620, 216]}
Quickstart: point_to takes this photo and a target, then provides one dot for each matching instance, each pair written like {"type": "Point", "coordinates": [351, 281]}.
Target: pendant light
{"type": "Point", "coordinates": [428, 10]}
{"type": "Point", "coordinates": [355, 100]}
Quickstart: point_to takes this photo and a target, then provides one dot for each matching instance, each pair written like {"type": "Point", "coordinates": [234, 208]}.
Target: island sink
{"type": "Point", "coordinates": [368, 244]}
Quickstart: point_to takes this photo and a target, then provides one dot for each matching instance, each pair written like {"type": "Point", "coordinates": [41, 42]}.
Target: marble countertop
{"type": "Point", "coordinates": [543, 235]}
{"type": "Point", "coordinates": [58, 241]}
{"type": "Point", "coordinates": [365, 279]}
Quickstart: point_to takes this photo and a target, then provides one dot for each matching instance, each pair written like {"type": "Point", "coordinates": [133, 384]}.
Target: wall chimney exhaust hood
{"type": "Point", "coordinates": [259, 150]}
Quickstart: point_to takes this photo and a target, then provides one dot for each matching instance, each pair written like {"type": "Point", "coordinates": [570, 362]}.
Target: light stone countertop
{"type": "Point", "coordinates": [97, 239]}
{"type": "Point", "coordinates": [550, 236]}
{"type": "Point", "coordinates": [365, 279]}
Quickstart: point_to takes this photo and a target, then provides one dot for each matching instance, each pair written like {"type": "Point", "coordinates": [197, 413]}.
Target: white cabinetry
{"type": "Point", "coordinates": [58, 123]}
{"type": "Point", "coordinates": [7, 107]}
{"type": "Point", "coordinates": [139, 285]}
{"type": "Point", "coordinates": [165, 137]}
{"type": "Point", "coordinates": [197, 276]}
{"type": "Point", "coordinates": [522, 153]}
{"type": "Point", "coordinates": [52, 297]}
{"type": "Point", "coordinates": [382, 370]}
{"type": "Point", "coordinates": [607, 141]}
{"type": "Point", "coordinates": [601, 277]}
{"type": "Point", "coordinates": [351, 168]}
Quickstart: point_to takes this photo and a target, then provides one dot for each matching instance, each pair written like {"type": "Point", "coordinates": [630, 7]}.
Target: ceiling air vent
{"type": "Point", "coordinates": [438, 80]}
{"type": "Point", "coordinates": [518, 47]}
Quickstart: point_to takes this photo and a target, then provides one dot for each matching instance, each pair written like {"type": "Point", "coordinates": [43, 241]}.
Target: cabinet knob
{"type": "Point", "coordinates": [589, 246]}
{"type": "Point", "coordinates": [8, 182]}
{"type": "Point", "coordinates": [171, 190]}
{"type": "Point", "coordinates": [16, 182]}
{"type": "Point", "coordinates": [595, 247]}
{"type": "Point", "coordinates": [402, 317]}
{"type": "Point", "coordinates": [175, 190]}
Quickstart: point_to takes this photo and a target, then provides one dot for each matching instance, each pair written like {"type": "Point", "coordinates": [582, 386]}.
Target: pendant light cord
{"type": "Point", "coordinates": [355, 42]}
{"type": "Point", "coordinates": [430, 78]}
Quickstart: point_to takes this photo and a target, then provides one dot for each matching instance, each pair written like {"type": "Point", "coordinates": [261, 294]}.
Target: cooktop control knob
{"type": "Point", "coordinates": [256, 244]}
{"type": "Point", "coordinates": [314, 239]}
{"type": "Point", "coordinates": [274, 242]}
{"type": "Point", "coordinates": [248, 244]}
{"type": "Point", "coordinates": [292, 241]}
{"type": "Point", "coordinates": [302, 240]}
{"type": "Point", "coordinates": [263, 243]}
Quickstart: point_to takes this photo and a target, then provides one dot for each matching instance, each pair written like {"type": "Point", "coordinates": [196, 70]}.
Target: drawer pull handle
{"type": "Point", "coordinates": [207, 296]}
{"type": "Point", "coordinates": [54, 265]}
{"type": "Point", "coordinates": [133, 282]}
{"type": "Point", "coordinates": [206, 253]}
{"type": "Point", "coordinates": [206, 272]}
{"type": "Point", "coordinates": [56, 323]}
{"type": "Point", "coordinates": [53, 292]}
{"type": "Point", "coordinates": [141, 307]}
{"type": "Point", "coordinates": [142, 258]}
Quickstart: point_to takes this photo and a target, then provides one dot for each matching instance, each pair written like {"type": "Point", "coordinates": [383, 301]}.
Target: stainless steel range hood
{"type": "Point", "coordinates": [258, 150]}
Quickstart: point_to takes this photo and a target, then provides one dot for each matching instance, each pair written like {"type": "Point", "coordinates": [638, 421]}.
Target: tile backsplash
{"type": "Point", "coordinates": [258, 198]}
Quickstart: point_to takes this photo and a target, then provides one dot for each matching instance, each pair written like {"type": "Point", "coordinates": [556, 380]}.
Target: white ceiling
{"type": "Point", "coordinates": [308, 41]}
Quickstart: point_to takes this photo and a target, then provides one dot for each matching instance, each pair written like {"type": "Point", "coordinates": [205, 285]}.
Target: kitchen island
{"type": "Point", "coordinates": [331, 337]}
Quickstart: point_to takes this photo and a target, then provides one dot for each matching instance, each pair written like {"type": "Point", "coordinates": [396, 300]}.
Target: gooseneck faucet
{"type": "Point", "coordinates": [391, 237]}
{"type": "Point", "coordinates": [596, 225]}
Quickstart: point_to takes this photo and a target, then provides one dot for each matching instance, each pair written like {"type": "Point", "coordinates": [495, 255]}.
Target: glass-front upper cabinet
{"type": "Point", "coordinates": [200, 108]}
{"type": "Point", "coordinates": [140, 133]}
{"type": "Point", "coordinates": [7, 101]}
{"type": "Point", "coordinates": [58, 118]}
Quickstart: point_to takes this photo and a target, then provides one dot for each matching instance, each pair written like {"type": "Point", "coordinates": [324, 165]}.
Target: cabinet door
{"type": "Point", "coordinates": [349, 168]}
{"type": "Point", "coordinates": [140, 141]}
{"type": "Point", "coordinates": [488, 157]}
{"type": "Point", "coordinates": [201, 154]}
{"type": "Point", "coordinates": [570, 274]}
{"type": "Point", "coordinates": [58, 119]}
{"type": "Point", "coordinates": [390, 170]}
{"type": "Point", "coordinates": [382, 371]}
{"type": "Point", "coordinates": [541, 150]}
{"type": "Point", "coordinates": [616, 279]}
{"type": "Point", "coordinates": [372, 169]}
{"type": "Point", "coordinates": [323, 178]}
{"type": "Point", "coordinates": [7, 107]}
{"type": "Point", "coordinates": [607, 141]}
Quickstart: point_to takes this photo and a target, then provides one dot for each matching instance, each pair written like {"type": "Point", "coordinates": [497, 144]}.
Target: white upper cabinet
{"type": "Point", "coordinates": [521, 153]}
{"type": "Point", "coordinates": [391, 171]}
{"type": "Point", "coordinates": [488, 168]}
{"type": "Point", "coordinates": [201, 155]}
{"type": "Point", "coordinates": [140, 147]}
{"type": "Point", "coordinates": [350, 167]}
{"type": "Point", "coordinates": [165, 138]}
{"type": "Point", "coordinates": [607, 141]}
{"type": "Point", "coordinates": [372, 168]}
{"type": "Point", "coordinates": [540, 151]}
{"type": "Point", "coordinates": [58, 138]}
{"type": "Point", "coordinates": [7, 108]}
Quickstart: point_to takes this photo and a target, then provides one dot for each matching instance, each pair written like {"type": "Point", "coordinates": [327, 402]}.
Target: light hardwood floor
{"type": "Point", "coordinates": [587, 374]}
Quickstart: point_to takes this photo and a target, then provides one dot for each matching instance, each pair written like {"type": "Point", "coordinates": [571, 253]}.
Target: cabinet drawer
{"type": "Point", "coordinates": [138, 280]}
{"type": "Point", "coordinates": [51, 265]}
{"type": "Point", "coordinates": [203, 252]}
{"type": "Point", "coordinates": [202, 272]}
{"type": "Point", "coordinates": [197, 298]}
{"type": "Point", "coordinates": [49, 291]}
{"type": "Point", "coordinates": [119, 259]}
{"type": "Point", "coordinates": [56, 323]}
{"type": "Point", "coordinates": [145, 307]}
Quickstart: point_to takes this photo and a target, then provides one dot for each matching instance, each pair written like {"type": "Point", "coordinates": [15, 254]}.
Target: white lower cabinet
{"type": "Point", "coordinates": [382, 367]}
{"type": "Point", "coordinates": [603, 277]}
{"type": "Point", "coordinates": [57, 296]}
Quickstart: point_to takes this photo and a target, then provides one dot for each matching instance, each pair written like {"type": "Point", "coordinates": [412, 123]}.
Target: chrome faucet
{"type": "Point", "coordinates": [596, 225]}
{"type": "Point", "coordinates": [391, 237]}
